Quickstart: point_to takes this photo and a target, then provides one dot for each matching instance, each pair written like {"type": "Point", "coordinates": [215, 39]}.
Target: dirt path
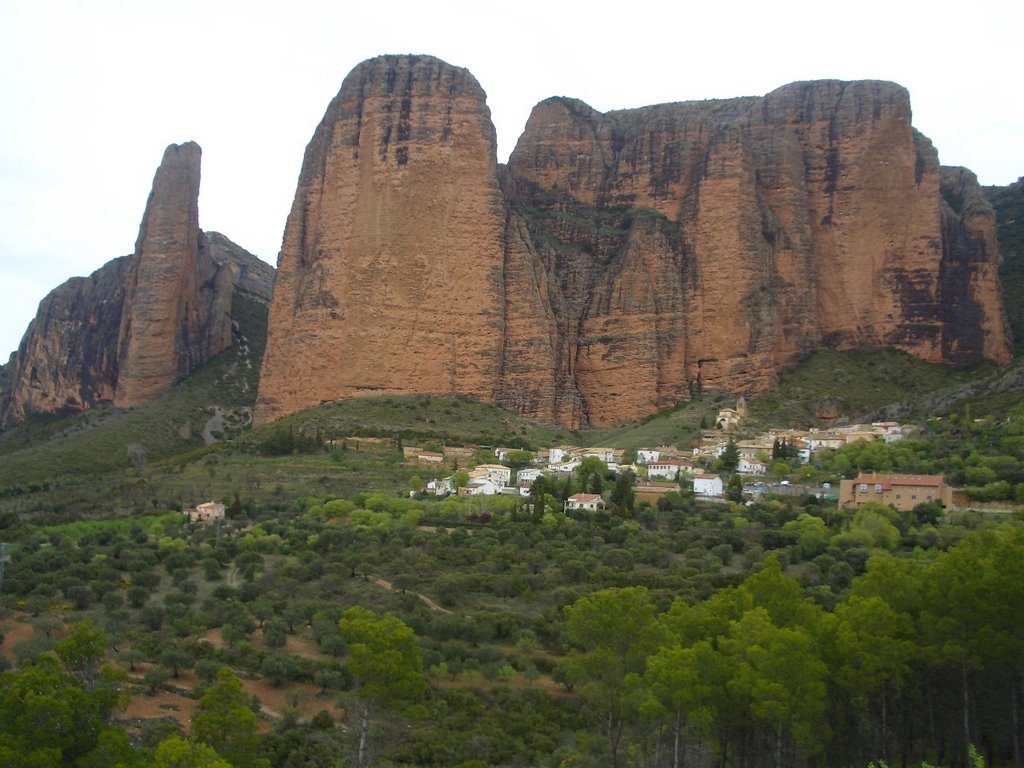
{"type": "Point", "coordinates": [423, 598]}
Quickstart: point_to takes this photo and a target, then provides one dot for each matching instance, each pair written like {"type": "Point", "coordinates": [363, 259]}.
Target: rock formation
{"type": "Point", "coordinates": [67, 359]}
{"type": "Point", "coordinates": [166, 330]}
{"type": "Point", "coordinates": [390, 273]}
{"type": "Point", "coordinates": [622, 261]}
{"type": "Point", "coordinates": [709, 245]}
{"type": "Point", "coordinates": [140, 323]}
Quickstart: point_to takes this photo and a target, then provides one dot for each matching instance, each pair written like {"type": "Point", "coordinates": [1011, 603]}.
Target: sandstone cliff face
{"type": "Point", "coordinates": [622, 261]}
{"type": "Point", "coordinates": [140, 323]}
{"type": "Point", "coordinates": [67, 359]}
{"type": "Point", "coordinates": [390, 274]}
{"type": "Point", "coordinates": [165, 330]}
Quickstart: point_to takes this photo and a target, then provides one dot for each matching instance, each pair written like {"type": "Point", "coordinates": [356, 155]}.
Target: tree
{"type": "Point", "coordinates": [539, 490]}
{"type": "Point", "coordinates": [224, 721]}
{"type": "Point", "coordinates": [50, 718]}
{"type": "Point", "coordinates": [385, 662]}
{"type": "Point", "coordinates": [875, 646]}
{"type": "Point", "coordinates": [811, 532]}
{"type": "Point", "coordinates": [112, 750]}
{"type": "Point", "coordinates": [176, 752]}
{"type": "Point", "coordinates": [730, 458]}
{"type": "Point", "coordinates": [614, 631]}
{"type": "Point", "coordinates": [175, 657]}
{"type": "Point", "coordinates": [734, 488]}
{"type": "Point", "coordinates": [622, 494]}
{"type": "Point", "coordinates": [82, 650]}
{"type": "Point", "coordinates": [591, 473]}
{"type": "Point", "coordinates": [871, 524]}
{"type": "Point", "coordinates": [155, 677]}
{"type": "Point", "coordinates": [262, 608]}
{"type": "Point", "coordinates": [277, 668]}
{"type": "Point", "coordinates": [275, 634]}
{"type": "Point", "coordinates": [779, 678]}
{"type": "Point", "coordinates": [518, 459]}
{"type": "Point", "coordinates": [687, 683]}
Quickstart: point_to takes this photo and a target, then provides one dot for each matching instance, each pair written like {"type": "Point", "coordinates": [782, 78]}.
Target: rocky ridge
{"type": "Point", "coordinates": [140, 323]}
{"type": "Point", "coordinates": [623, 261]}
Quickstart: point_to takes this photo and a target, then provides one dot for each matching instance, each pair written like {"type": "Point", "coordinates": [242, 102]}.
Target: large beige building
{"type": "Point", "coordinates": [904, 492]}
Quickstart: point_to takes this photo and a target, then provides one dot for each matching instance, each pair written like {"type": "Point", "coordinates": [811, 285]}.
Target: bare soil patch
{"type": "Point", "coordinates": [16, 629]}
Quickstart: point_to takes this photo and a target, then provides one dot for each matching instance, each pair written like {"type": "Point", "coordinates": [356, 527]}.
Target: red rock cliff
{"type": "Point", "coordinates": [711, 244]}
{"type": "Point", "coordinates": [621, 261]}
{"type": "Point", "coordinates": [162, 330]}
{"type": "Point", "coordinates": [390, 274]}
{"type": "Point", "coordinates": [141, 323]}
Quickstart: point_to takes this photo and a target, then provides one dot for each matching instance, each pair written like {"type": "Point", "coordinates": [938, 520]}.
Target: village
{"type": "Point", "coordinates": [664, 469]}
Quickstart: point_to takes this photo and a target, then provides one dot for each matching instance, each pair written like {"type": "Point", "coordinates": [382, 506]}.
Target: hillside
{"type": "Point", "coordinates": [193, 443]}
{"type": "Point", "coordinates": [213, 404]}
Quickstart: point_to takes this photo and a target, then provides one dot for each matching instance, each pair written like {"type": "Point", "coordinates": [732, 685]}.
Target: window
{"type": "Point", "coordinates": [878, 487]}
{"type": "Point", "coordinates": [863, 487]}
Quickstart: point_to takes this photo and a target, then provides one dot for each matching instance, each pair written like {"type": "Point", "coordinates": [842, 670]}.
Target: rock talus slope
{"type": "Point", "coordinates": [623, 261]}
{"type": "Point", "coordinates": [141, 323]}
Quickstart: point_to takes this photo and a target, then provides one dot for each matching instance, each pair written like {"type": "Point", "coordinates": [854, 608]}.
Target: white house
{"type": "Point", "coordinates": [647, 455]}
{"type": "Point", "coordinates": [207, 513]}
{"type": "Point", "coordinates": [564, 453]}
{"type": "Point", "coordinates": [565, 466]}
{"type": "Point", "coordinates": [556, 455]}
{"type": "Point", "coordinates": [444, 486]}
{"type": "Point", "coordinates": [590, 502]}
{"type": "Point", "coordinates": [803, 450]}
{"type": "Point", "coordinates": [668, 468]}
{"type": "Point", "coordinates": [750, 466]}
{"type": "Point", "coordinates": [728, 419]}
{"type": "Point", "coordinates": [707, 485]}
{"type": "Point", "coordinates": [607, 455]}
{"type": "Point", "coordinates": [528, 475]}
{"type": "Point", "coordinates": [825, 441]}
{"type": "Point", "coordinates": [480, 487]}
{"type": "Point", "coordinates": [497, 473]}
{"type": "Point", "coordinates": [754, 447]}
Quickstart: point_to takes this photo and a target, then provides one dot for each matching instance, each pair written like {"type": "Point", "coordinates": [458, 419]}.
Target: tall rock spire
{"type": "Point", "coordinates": [141, 323]}
{"type": "Point", "coordinates": [159, 329]}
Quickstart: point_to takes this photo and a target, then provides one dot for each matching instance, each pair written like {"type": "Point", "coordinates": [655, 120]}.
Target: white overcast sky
{"type": "Point", "coordinates": [92, 91]}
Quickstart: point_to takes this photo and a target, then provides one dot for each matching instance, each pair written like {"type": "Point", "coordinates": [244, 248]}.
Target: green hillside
{"type": "Point", "coordinates": [213, 404]}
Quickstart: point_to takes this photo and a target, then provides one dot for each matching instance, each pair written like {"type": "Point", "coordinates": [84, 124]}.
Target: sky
{"type": "Point", "coordinates": [92, 91]}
